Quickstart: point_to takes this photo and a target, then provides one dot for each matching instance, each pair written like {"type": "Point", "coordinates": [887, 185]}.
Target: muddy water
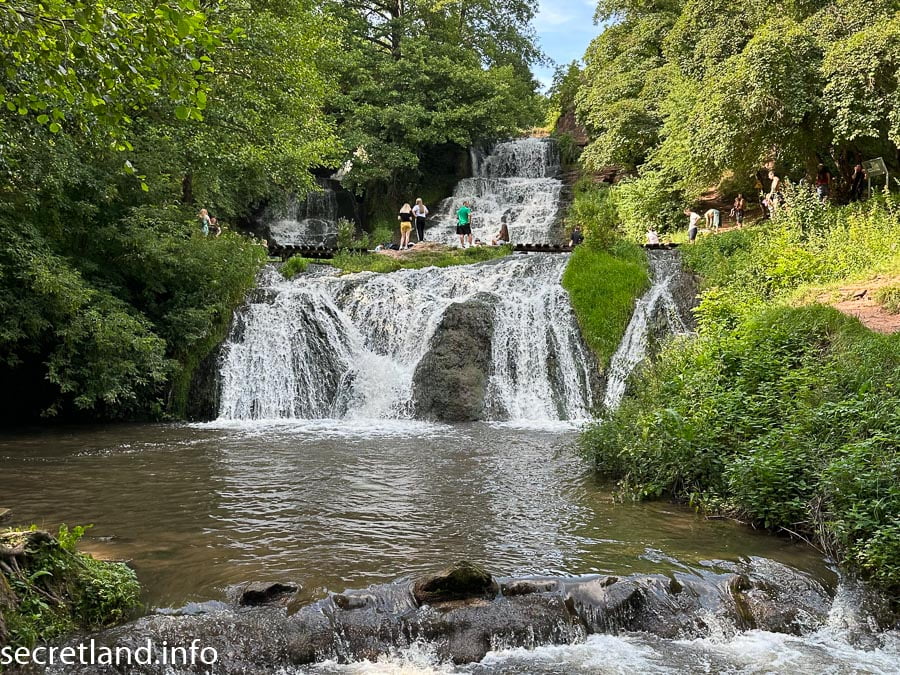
{"type": "Point", "coordinates": [333, 505]}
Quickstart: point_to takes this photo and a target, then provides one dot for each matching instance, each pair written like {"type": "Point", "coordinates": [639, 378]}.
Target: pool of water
{"type": "Point", "coordinates": [335, 505]}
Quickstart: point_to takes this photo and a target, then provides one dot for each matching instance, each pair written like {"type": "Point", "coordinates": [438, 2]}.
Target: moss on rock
{"type": "Point", "coordinates": [48, 589]}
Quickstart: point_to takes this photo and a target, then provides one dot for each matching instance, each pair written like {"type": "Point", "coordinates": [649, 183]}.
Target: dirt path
{"type": "Point", "coordinates": [858, 300]}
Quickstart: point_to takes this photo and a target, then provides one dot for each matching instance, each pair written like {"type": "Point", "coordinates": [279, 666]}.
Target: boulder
{"type": "Point", "coordinates": [450, 381]}
{"type": "Point", "coordinates": [261, 593]}
{"type": "Point", "coordinates": [461, 614]}
{"type": "Point", "coordinates": [463, 581]}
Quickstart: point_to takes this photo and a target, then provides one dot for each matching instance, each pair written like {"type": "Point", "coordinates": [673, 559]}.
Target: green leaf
{"type": "Point", "coordinates": [182, 112]}
{"type": "Point", "coordinates": [55, 128]}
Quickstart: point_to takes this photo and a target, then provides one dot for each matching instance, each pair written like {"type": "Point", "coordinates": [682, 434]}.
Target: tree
{"type": "Point", "coordinates": [415, 75]}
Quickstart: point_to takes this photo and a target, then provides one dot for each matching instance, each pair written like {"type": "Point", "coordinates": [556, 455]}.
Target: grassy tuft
{"type": "Point", "coordinates": [378, 262]}
{"type": "Point", "coordinates": [603, 286]}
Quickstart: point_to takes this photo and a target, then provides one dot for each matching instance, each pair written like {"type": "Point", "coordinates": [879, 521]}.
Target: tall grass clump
{"type": "Point", "coordinates": [606, 274]}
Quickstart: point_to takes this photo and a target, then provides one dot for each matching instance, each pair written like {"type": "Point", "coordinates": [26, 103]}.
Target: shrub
{"type": "Point", "coordinates": [294, 266]}
{"type": "Point", "coordinates": [889, 298]}
{"type": "Point", "coordinates": [772, 420]}
{"type": "Point", "coordinates": [346, 233]}
{"type": "Point", "coordinates": [648, 201]}
{"type": "Point", "coordinates": [54, 590]}
{"type": "Point", "coordinates": [594, 210]}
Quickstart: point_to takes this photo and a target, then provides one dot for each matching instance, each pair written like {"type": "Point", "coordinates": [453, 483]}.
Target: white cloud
{"type": "Point", "coordinates": [548, 15]}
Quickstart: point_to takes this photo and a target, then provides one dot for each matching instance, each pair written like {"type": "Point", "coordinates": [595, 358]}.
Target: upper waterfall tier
{"type": "Point", "coordinates": [516, 183]}
{"type": "Point", "coordinates": [333, 347]}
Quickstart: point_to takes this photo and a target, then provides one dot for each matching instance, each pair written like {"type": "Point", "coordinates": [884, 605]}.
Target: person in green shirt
{"type": "Point", "coordinates": [464, 224]}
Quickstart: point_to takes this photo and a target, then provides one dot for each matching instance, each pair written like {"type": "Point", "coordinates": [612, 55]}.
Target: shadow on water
{"type": "Point", "coordinates": [336, 505]}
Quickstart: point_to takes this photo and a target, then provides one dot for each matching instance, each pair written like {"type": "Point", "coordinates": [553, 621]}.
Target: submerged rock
{"type": "Point", "coordinates": [463, 612]}
{"type": "Point", "coordinates": [450, 382]}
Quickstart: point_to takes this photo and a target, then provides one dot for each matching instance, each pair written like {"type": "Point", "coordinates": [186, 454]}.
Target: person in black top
{"type": "Point", "coordinates": [857, 183]}
{"type": "Point", "coordinates": [577, 237]}
{"type": "Point", "coordinates": [406, 219]}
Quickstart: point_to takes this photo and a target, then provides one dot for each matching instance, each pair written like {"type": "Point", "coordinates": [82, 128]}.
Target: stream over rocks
{"type": "Point", "coordinates": [492, 341]}
{"type": "Point", "coordinates": [462, 614]}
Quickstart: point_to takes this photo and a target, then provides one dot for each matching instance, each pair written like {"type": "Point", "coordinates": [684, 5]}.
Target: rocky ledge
{"type": "Point", "coordinates": [464, 612]}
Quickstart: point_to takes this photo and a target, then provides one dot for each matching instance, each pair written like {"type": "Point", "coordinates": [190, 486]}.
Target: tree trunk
{"type": "Point", "coordinates": [187, 189]}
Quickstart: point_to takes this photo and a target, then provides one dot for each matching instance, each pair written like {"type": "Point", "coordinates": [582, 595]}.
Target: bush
{"type": "Point", "coordinates": [381, 235]}
{"type": "Point", "coordinates": [648, 201]}
{"type": "Point", "coordinates": [889, 298]}
{"type": "Point", "coordinates": [52, 590]}
{"type": "Point", "coordinates": [294, 266]}
{"type": "Point", "coordinates": [594, 210]}
{"type": "Point", "coordinates": [790, 419]}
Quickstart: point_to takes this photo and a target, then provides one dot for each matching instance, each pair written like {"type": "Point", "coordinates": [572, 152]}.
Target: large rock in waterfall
{"type": "Point", "coordinates": [450, 382]}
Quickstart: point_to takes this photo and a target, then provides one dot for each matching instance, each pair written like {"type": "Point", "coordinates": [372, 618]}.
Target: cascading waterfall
{"type": "Point", "coordinates": [347, 347]}
{"type": "Point", "coordinates": [311, 221]}
{"type": "Point", "coordinates": [665, 266]}
{"type": "Point", "coordinates": [517, 184]}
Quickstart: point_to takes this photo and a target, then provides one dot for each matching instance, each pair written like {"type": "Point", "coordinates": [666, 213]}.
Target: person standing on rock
{"type": "Point", "coordinates": [464, 224]}
{"type": "Point", "coordinates": [420, 211]}
{"type": "Point", "coordinates": [406, 222]}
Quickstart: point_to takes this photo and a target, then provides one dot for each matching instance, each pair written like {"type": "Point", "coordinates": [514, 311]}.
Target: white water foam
{"type": "Point", "coordinates": [347, 347]}
{"type": "Point", "coordinates": [516, 184]}
{"type": "Point", "coordinates": [664, 267]}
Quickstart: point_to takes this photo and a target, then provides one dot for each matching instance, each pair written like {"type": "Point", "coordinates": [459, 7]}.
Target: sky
{"type": "Point", "coordinates": [564, 29]}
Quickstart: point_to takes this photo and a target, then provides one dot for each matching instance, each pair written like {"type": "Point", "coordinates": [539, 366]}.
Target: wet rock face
{"type": "Point", "coordinates": [463, 613]}
{"type": "Point", "coordinates": [258, 593]}
{"type": "Point", "coordinates": [460, 582]}
{"type": "Point", "coordinates": [205, 389]}
{"type": "Point", "coordinates": [451, 380]}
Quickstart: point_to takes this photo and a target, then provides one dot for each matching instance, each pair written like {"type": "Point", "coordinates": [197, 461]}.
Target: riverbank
{"type": "Point", "coordinates": [49, 590]}
{"type": "Point", "coordinates": [783, 416]}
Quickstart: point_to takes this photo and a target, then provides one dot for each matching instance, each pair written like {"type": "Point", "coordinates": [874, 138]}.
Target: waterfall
{"type": "Point", "coordinates": [347, 346]}
{"type": "Point", "coordinates": [516, 183]}
{"type": "Point", "coordinates": [305, 222]}
{"type": "Point", "coordinates": [657, 303]}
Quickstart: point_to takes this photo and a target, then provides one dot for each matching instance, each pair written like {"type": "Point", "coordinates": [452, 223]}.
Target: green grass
{"type": "Point", "coordinates": [603, 286]}
{"type": "Point", "coordinates": [889, 298]}
{"type": "Point", "coordinates": [294, 266]}
{"type": "Point", "coordinates": [376, 262]}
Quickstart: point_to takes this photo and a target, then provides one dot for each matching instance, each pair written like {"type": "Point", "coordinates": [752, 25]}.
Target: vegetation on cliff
{"type": "Point", "coordinates": [49, 589]}
{"type": "Point", "coordinates": [695, 93]}
{"type": "Point", "coordinates": [606, 274]}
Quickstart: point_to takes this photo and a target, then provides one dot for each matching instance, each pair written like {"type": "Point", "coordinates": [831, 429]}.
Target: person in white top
{"type": "Point", "coordinates": [652, 238]}
{"type": "Point", "coordinates": [420, 211]}
{"type": "Point", "coordinates": [693, 227]}
{"type": "Point", "coordinates": [713, 219]}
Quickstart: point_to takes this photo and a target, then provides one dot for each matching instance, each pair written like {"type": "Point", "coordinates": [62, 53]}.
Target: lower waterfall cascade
{"type": "Point", "coordinates": [347, 347]}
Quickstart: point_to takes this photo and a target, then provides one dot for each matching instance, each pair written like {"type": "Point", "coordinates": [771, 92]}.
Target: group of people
{"type": "Point", "coordinates": [412, 216]}
{"type": "Point", "coordinates": [415, 215]}
{"type": "Point", "coordinates": [209, 225]}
